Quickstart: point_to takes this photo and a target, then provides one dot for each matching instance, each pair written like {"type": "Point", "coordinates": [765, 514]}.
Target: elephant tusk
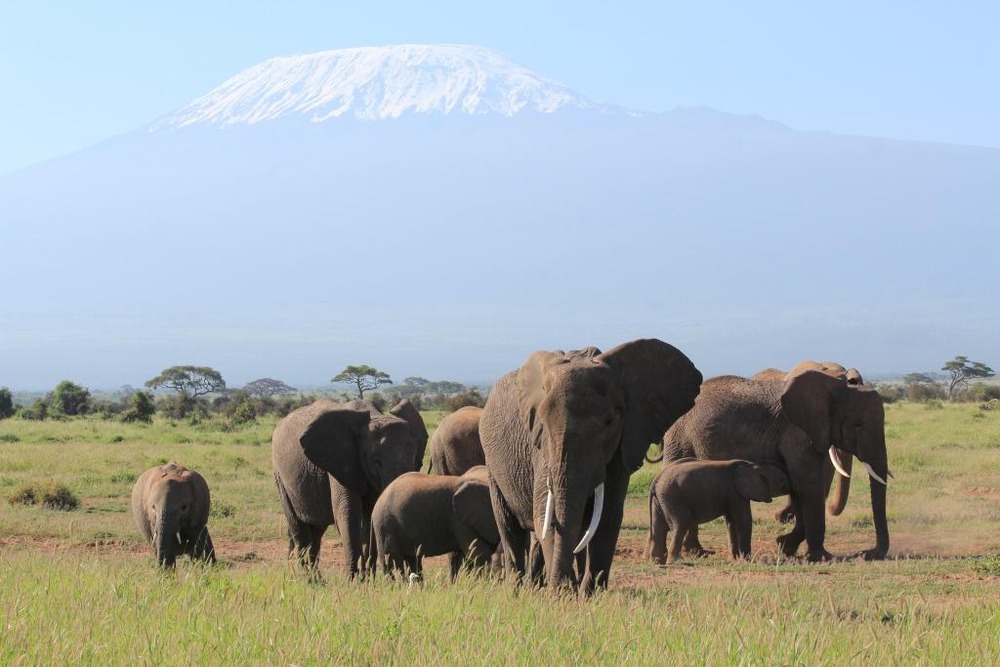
{"type": "Point", "coordinates": [595, 518]}
{"type": "Point", "coordinates": [873, 475]}
{"type": "Point", "coordinates": [547, 518]}
{"type": "Point", "coordinates": [179, 540]}
{"type": "Point", "coordinates": [836, 463]}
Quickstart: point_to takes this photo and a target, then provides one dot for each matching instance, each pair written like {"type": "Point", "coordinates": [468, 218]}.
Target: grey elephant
{"type": "Point", "coordinates": [689, 492]}
{"type": "Point", "coordinates": [171, 505]}
{"type": "Point", "coordinates": [562, 434]}
{"type": "Point", "coordinates": [430, 515]}
{"type": "Point", "coordinates": [455, 446]}
{"type": "Point", "coordinates": [794, 423]}
{"type": "Point", "coordinates": [331, 462]}
{"type": "Point", "coordinates": [838, 468]}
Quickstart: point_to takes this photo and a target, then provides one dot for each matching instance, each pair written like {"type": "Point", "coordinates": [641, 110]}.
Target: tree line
{"type": "Point", "coordinates": [194, 392]}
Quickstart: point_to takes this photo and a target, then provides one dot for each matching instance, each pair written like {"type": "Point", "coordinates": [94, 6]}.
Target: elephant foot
{"type": "Point", "coordinates": [872, 554]}
{"type": "Point", "coordinates": [788, 543]}
{"type": "Point", "coordinates": [698, 551]}
{"type": "Point", "coordinates": [820, 556]}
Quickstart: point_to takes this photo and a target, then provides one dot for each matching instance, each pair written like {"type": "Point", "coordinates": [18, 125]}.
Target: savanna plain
{"type": "Point", "coordinates": [81, 587]}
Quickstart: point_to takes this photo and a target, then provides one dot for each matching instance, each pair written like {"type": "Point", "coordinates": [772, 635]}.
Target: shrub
{"type": "Point", "coordinates": [465, 398]}
{"type": "Point", "coordinates": [6, 403]}
{"type": "Point", "coordinates": [890, 393]}
{"type": "Point", "coordinates": [69, 398]}
{"type": "Point", "coordinates": [141, 408]}
{"type": "Point", "coordinates": [182, 406]}
{"type": "Point", "coordinates": [51, 496]}
{"type": "Point", "coordinates": [37, 411]}
{"type": "Point", "coordinates": [9, 438]}
{"type": "Point", "coordinates": [922, 392]}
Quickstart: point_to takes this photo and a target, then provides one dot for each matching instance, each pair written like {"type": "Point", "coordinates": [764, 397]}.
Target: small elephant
{"type": "Point", "coordinates": [429, 515]}
{"type": "Point", "coordinates": [171, 505]}
{"type": "Point", "coordinates": [455, 446]}
{"type": "Point", "coordinates": [689, 492]}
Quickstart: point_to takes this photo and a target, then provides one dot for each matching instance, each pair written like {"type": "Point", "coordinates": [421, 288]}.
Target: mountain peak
{"type": "Point", "coordinates": [374, 83]}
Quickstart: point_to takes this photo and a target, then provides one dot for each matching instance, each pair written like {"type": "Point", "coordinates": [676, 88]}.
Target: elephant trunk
{"type": "Point", "coordinates": [166, 540]}
{"type": "Point", "coordinates": [843, 461]}
{"type": "Point", "coordinates": [569, 502]}
{"type": "Point", "coordinates": [878, 493]}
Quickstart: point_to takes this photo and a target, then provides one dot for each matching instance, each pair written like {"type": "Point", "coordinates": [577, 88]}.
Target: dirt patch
{"type": "Point", "coordinates": [987, 492]}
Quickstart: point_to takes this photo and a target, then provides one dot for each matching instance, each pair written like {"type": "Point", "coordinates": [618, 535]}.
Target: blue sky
{"type": "Point", "coordinates": [73, 74]}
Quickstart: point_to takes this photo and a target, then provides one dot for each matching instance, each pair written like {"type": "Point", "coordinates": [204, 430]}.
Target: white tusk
{"type": "Point", "coordinates": [836, 463]}
{"type": "Point", "coordinates": [547, 519]}
{"type": "Point", "coordinates": [595, 518]}
{"type": "Point", "coordinates": [179, 540]}
{"type": "Point", "coordinates": [873, 475]}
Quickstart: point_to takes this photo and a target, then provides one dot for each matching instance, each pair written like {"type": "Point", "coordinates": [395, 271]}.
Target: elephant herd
{"type": "Point", "coordinates": [540, 474]}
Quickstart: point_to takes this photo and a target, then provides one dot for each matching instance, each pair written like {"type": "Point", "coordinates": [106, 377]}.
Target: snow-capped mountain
{"type": "Point", "coordinates": [373, 83]}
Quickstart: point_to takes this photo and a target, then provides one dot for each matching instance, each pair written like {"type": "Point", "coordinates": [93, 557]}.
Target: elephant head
{"type": "Point", "coordinates": [361, 448]}
{"type": "Point", "coordinates": [592, 416]}
{"type": "Point", "coordinates": [406, 411]}
{"type": "Point", "coordinates": [752, 482]}
{"type": "Point", "coordinates": [851, 418]}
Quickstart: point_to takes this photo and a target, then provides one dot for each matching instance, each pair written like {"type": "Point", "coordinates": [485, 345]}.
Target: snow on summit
{"type": "Point", "coordinates": [373, 83]}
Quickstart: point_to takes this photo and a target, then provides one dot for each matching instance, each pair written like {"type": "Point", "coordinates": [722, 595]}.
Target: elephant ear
{"type": "Point", "coordinates": [808, 402]}
{"type": "Point", "coordinates": [473, 508]}
{"type": "Point", "coordinates": [200, 517]}
{"type": "Point", "coordinates": [406, 411]}
{"type": "Point", "coordinates": [659, 384]}
{"type": "Point", "coordinates": [530, 390]}
{"type": "Point", "coordinates": [751, 483]}
{"type": "Point", "coordinates": [332, 441]}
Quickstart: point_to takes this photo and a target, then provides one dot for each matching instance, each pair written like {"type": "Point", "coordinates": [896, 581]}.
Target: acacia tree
{"type": "Point", "coordinates": [69, 398]}
{"type": "Point", "coordinates": [267, 387]}
{"type": "Point", "coordinates": [961, 370]}
{"type": "Point", "coordinates": [363, 377]}
{"type": "Point", "coordinates": [189, 380]}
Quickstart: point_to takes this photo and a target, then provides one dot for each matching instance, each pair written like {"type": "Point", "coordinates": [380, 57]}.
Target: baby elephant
{"type": "Point", "coordinates": [171, 505]}
{"type": "Point", "coordinates": [429, 515]}
{"type": "Point", "coordinates": [689, 492]}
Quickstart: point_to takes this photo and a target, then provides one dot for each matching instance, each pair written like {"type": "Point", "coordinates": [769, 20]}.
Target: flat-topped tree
{"type": "Point", "coordinates": [961, 370]}
{"type": "Point", "coordinates": [265, 387]}
{"type": "Point", "coordinates": [192, 381]}
{"type": "Point", "coordinates": [363, 377]}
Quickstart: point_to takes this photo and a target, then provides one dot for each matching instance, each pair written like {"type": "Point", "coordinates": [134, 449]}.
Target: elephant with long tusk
{"type": "Point", "coordinates": [562, 434]}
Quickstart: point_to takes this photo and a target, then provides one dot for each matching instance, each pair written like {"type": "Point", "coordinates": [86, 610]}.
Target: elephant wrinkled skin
{"type": "Point", "coordinates": [171, 505]}
{"type": "Point", "coordinates": [562, 434]}
{"type": "Point", "coordinates": [455, 446]}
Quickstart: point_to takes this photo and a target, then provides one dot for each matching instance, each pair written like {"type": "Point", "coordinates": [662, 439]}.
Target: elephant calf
{"type": "Point", "coordinates": [689, 492]}
{"type": "Point", "coordinates": [171, 505]}
{"type": "Point", "coordinates": [429, 515]}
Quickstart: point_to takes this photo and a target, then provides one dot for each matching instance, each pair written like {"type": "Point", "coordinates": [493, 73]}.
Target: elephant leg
{"type": "Point", "coordinates": [601, 550]}
{"type": "Point", "coordinates": [304, 539]}
{"type": "Point", "coordinates": [676, 542]}
{"type": "Point", "coordinates": [789, 542]}
{"type": "Point", "coordinates": [740, 524]}
{"type": "Point", "coordinates": [203, 547]}
{"type": "Point", "coordinates": [513, 538]}
{"type": "Point", "coordinates": [348, 513]}
{"type": "Point", "coordinates": [692, 544]}
{"type": "Point", "coordinates": [658, 529]}
{"type": "Point", "coordinates": [455, 561]}
{"type": "Point", "coordinates": [536, 562]}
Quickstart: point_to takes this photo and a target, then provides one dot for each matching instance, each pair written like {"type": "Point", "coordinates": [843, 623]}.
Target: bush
{"type": "Point", "coordinates": [465, 398]}
{"type": "Point", "coordinates": [51, 496]}
{"type": "Point", "coordinates": [70, 399]}
{"type": "Point", "coordinates": [6, 403]}
{"type": "Point", "coordinates": [890, 393]}
{"type": "Point", "coordinates": [38, 411]}
{"type": "Point", "coordinates": [923, 392]}
{"type": "Point", "coordinates": [181, 406]}
{"type": "Point", "coordinates": [141, 408]}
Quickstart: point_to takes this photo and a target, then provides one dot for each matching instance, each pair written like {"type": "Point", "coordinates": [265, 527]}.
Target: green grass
{"type": "Point", "coordinates": [81, 587]}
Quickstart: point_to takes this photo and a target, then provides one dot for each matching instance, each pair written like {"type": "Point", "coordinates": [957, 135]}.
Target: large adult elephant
{"type": "Point", "coordinates": [562, 434]}
{"type": "Point", "coordinates": [794, 422]}
{"type": "Point", "coordinates": [455, 446]}
{"type": "Point", "coordinates": [838, 467]}
{"type": "Point", "coordinates": [331, 462]}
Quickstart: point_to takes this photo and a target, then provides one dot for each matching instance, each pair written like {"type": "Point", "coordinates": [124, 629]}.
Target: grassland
{"type": "Point", "coordinates": [81, 587]}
